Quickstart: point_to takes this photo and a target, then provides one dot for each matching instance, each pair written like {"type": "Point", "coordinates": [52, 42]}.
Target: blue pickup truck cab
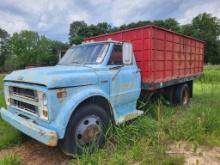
{"type": "Point", "coordinates": [72, 103]}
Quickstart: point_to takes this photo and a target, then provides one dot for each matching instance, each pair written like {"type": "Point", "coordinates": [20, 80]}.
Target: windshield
{"type": "Point", "coordinates": [85, 54]}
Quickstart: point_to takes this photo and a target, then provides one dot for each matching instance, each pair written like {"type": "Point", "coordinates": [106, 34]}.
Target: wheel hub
{"type": "Point", "coordinates": [185, 97]}
{"type": "Point", "coordinates": [88, 131]}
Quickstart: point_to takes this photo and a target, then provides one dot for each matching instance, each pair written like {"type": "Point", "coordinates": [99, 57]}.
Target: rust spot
{"type": "Point", "coordinates": [90, 133]}
{"type": "Point", "coordinates": [53, 140]}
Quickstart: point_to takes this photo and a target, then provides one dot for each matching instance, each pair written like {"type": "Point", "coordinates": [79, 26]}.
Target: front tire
{"type": "Point", "coordinates": [86, 130]}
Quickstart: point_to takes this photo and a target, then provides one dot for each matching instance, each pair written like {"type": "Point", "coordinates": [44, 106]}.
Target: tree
{"type": "Point", "coordinates": [132, 25]}
{"type": "Point", "coordinates": [3, 35]}
{"type": "Point", "coordinates": [169, 23]}
{"type": "Point", "coordinates": [44, 55]}
{"type": "Point", "coordinates": [59, 47]}
{"type": "Point", "coordinates": [207, 28]}
{"type": "Point", "coordinates": [28, 48]}
{"type": "Point", "coordinates": [3, 51]}
{"type": "Point", "coordinates": [103, 28]}
{"type": "Point", "coordinates": [22, 47]}
{"type": "Point", "coordinates": [80, 30]}
{"type": "Point", "coordinates": [74, 32]}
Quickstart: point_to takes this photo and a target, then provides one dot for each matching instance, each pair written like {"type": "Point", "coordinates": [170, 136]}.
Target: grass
{"type": "Point", "coordinates": [8, 135]}
{"type": "Point", "coordinates": [145, 140]}
{"type": "Point", "coordinates": [10, 160]}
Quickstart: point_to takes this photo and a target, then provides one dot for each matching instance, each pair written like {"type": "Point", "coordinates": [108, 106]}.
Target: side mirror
{"type": "Point", "coordinates": [127, 53]}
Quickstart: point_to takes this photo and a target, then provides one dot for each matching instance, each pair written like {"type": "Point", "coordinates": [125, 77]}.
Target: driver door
{"type": "Point", "coordinates": [125, 79]}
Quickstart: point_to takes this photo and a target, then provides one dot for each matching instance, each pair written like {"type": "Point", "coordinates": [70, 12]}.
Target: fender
{"type": "Point", "coordinates": [73, 102]}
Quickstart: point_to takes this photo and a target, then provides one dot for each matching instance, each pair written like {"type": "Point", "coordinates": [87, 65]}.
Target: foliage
{"type": "Point", "coordinates": [3, 51]}
{"type": "Point", "coordinates": [3, 34]}
{"type": "Point", "coordinates": [28, 48]}
{"type": "Point", "coordinates": [169, 23]}
{"type": "Point", "coordinates": [206, 27]}
{"type": "Point", "coordinates": [74, 36]}
{"type": "Point", "coordinates": [79, 30]}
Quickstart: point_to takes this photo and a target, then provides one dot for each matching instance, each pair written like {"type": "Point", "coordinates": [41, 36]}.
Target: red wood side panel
{"type": "Point", "coordinates": [161, 55]}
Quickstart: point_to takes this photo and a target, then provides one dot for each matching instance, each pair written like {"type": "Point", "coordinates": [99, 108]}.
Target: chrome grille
{"type": "Point", "coordinates": [23, 92]}
{"type": "Point", "coordinates": [24, 106]}
{"type": "Point", "coordinates": [24, 99]}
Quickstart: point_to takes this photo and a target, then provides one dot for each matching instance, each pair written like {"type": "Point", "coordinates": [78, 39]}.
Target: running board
{"type": "Point", "coordinates": [129, 116]}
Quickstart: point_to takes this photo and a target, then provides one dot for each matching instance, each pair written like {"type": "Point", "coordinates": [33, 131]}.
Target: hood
{"type": "Point", "coordinates": [55, 76]}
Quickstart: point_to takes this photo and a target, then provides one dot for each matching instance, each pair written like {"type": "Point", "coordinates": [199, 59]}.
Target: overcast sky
{"type": "Point", "coordinates": [52, 17]}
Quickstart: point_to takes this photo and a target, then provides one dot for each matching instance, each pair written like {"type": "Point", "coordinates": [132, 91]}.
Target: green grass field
{"type": "Point", "coordinates": [145, 139]}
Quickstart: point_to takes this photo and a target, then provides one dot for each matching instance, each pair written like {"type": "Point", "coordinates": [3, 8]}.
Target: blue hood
{"type": "Point", "coordinates": [55, 76]}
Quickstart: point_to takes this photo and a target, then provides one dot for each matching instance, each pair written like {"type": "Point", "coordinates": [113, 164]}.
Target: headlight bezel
{"type": "Point", "coordinates": [43, 105]}
{"type": "Point", "coordinates": [45, 101]}
{"type": "Point", "coordinates": [6, 95]}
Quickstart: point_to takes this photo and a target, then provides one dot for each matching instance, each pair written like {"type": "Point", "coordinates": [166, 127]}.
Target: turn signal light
{"type": "Point", "coordinates": [61, 93]}
{"type": "Point", "coordinates": [45, 113]}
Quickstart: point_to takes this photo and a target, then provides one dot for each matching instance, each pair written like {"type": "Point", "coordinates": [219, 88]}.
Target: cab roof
{"type": "Point", "coordinates": [104, 41]}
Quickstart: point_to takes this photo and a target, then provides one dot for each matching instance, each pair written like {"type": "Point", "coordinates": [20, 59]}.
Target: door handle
{"type": "Point", "coordinates": [137, 71]}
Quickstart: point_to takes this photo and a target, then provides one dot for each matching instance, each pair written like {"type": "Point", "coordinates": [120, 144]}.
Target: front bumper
{"type": "Point", "coordinates": [27, 126]}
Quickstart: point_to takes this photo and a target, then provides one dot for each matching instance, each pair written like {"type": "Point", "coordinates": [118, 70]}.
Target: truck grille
{"type": "Point", "coordinates": [24, 99]}
{"type": "Point", "coordinates": [22, 92]}
{"type": "Point", "coordinates": [24, 106]}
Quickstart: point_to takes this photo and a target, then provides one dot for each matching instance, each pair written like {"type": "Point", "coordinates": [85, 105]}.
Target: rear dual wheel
{"type": "Point", "coordinates": [182, 95]}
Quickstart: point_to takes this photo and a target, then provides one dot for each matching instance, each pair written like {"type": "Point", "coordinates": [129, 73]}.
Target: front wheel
{"type": "Point", "coordinates": [86, 130]}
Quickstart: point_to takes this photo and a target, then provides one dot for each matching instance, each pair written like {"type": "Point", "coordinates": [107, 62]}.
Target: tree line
{"type": "Point", "coordinates": [27, 48]}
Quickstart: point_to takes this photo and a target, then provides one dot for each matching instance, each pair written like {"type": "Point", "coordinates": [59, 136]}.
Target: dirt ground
{"type": "Point", "coordinates": [202, 155]}
{"type": "Point", "coordinates": [34, 153]}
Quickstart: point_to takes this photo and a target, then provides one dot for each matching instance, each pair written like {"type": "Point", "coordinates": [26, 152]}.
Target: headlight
{"type": "Point", "coordinates": [43, 110]}
{"type": "Point", "coordinates": [44, 99]}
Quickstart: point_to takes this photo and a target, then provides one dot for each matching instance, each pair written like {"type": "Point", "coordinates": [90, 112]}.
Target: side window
{"type": "Point", "coordinates": [116, 56]}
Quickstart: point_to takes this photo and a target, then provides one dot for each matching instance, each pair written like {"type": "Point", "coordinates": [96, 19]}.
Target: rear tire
{"type": "Point", "coordinates": [182, 95]}
{"type": "Point", "coordinates": [86, 130]}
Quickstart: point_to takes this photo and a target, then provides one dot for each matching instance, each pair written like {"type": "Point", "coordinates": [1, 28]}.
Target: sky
{"type": "Point", "coordinates": [53, 17]}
